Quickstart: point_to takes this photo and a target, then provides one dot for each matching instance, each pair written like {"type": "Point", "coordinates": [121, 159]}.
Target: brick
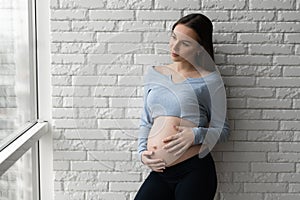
{"type": "Point", "coordinates": [91, 4]}
{"type": "Point", "coordinates": [126, 48]}
{"type": "Point", "coordinates": [230, 187]}
{"type": "Point", "coordinates": [219, 5]}
{"type": "Point", "coordinates": [259, 38]}
{"type": "Point", "coordinates": [212, 15]}
{"type": "Point", "coordinates": [268, 103]}
{"type": "Point", "coordinates": [69, 155]}
{"type": "Point", "coordinates": [289, 177]}
{"type": "Point", "coordinates": [82, 47]}
{"type": "Point", "coordinates": [60, 26]}
{"type": "Point", "coordinates": [106, 195]}
{"type": "Point", "coordinates": [289, 147]}
{"type": "Point", "coordinates": [129, 102]}
{"type": "Point", "coordinates": [282, 114]}
{"type": "Point", "coordinates": [61, 165]}
{"type": "Point", "coordinates": [243, 114]}
{"type": "Point", "coordinates": [249, 59]}
{"type": "Point", "coordinates": [132, 5]}
{"type": "Point", "coordinates": [92, 165]}
{"type": "Point", "coordinates": [256, 124]}
{"type": "Point", "coordinates": [111, 14]}
{"type": "Point", "coordinates": [119, 37]}
{"type": "Point", "coordinates": [157, 15]}
{"type": "Point", "coordinates": [174, 4]}
{"type": "Point", "coordinates": [279, 27]}
{"type": "Point", "coordinates": [283, 157]}
{"type": "Point", "coordinates": [252, 15]}
{"type": "Point", "coordinates": [125, 186]}
{"type": "Point", "coordinates": [232, 167]}
{"type": "Point", "coordinates": [106, 155]}
{"type": "Point", "coordinates": [239, 196]}
{"type": "Point", "coordinates": [93, 80]}
{"type": "Point", "coordinates": [288, 16]}
{"type": "Point", "coordinates": [288, 93]}
{"type": "Point", "coordinates": [60, 113]}
{"type": "Point", "coordinates": [296, 103]}
{"type": "Point", "coordinates": [270, 4]}
{"type": "Point", "coordinates": [119, 176]}
{"type": "Point", "coordinates": [141, 26]}
{"type": "Point", "coordinates": [70, 91]}
{"type": "Point", "coordinates": [151, 59]}
{"type": "Point", "coordinates": [109, 59]}
{"type": "Point", "coordinates": [272, 167]}
{"type": "Point", "coordinates": [289, 125]}
{"type": "Point", "coordinates": [251, 92]}
{"type": "Point", "coordinates": [84, 134]}
{"type": "Point", "coordinates": [235, 26]}
{"type": "Point", "coordinates": [67, 58]}
{"type": "Point", "coordinates": [270, 136]}
{"type": "Point", "coordinates": [292, 37]}
{"type": "Point", "coordinates": [239, 81]}
{"type": "Point", "coordinates": [85, 186]}
{"type": "Point", "coordinates": [264, 49]}
{"type": "Point", "coordinates": [76, 14]}
{"type": "Point", "coordinates": [230, 48]}
{"type": "Point", "coordinates": [255, 146]}
{"type": "Point", "coordinates": [291, 71]}
{"type": "Point", "coordinates": [61, 80]}
{"type": "Point", "coordinates": [265, 187]}
{"type": "Point", "coordinates": [121, 69]}
{"type": "Point", "coordinates": [256, 177]}
{"type": "Point", "coordinates": [243, 156]}
{"type": "Point", "coordinates": [74, 195]}
{"type": "Point", "coordinates": [281, 196]}
{"type": "Point", "coordinates": [224, 38]}
{"type": "Point", "coordinates": [287, 60]}
{"type": "Point", "coordinates": [116, 91]}
{"type": "Point", "coordinates": [87, 26]}
{"type": "Point", "coordinates": [149, 37]}
{"type": "Point", "coordinates": [236, 103]}
{"type": "Point", "coordinates": [294, 188]}
{"type": "Point", "coordinates": [75, 123]}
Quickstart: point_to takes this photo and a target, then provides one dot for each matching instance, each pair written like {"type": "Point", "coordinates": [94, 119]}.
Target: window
{"type": "Point", "coordinates": [24, 130]}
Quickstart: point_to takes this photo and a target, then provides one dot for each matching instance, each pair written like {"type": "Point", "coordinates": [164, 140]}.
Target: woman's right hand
{"type": "Point", "coordinates": [157, 165]}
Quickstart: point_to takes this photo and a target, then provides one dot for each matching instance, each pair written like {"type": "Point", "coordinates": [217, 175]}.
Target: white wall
{"type": "Point", "coordinates": [99, 53]}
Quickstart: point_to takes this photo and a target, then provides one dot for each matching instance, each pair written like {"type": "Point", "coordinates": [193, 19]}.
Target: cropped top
{"type": "Point", "coordinates": [199, 100]}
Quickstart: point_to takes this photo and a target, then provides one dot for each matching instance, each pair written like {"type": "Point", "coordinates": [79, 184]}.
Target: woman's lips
{"type": "Point", "coordinates": [174, 54]}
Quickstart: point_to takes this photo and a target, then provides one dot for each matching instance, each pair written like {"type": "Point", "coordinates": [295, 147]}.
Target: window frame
{"type": "Point", "coordinates": [38, 136]}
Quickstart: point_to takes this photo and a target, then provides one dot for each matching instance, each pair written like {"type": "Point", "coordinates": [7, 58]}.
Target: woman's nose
{"type": "Point", "coordinates": [176, 46]}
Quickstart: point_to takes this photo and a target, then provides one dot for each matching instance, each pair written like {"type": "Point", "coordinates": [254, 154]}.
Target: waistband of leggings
{"type": "Point", "coordinates": [189, 162]}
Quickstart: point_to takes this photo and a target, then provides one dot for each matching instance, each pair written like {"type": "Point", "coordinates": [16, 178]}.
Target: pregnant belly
{"type": "Point", "coordinates": [162, 128]}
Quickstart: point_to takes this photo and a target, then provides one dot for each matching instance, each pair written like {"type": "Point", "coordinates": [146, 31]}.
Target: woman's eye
{"type": "Point", "coordinates": [186, 44]}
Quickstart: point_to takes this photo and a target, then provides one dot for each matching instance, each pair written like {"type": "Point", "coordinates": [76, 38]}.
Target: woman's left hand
{"type": "Point", "coordinates": [181, 141]}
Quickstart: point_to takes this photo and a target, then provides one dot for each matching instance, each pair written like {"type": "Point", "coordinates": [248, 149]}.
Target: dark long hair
{"type": "Point", "coordinates": [203, 27]}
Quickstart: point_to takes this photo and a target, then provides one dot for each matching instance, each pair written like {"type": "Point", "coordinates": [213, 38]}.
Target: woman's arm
{"type": "Point", "coordinates": [218, 129]}
{"type": "Point", "coordinates": [145, 126]}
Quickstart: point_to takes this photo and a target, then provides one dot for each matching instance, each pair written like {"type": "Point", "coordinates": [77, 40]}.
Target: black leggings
{"type": "Point", "coordinates": [192, 179]}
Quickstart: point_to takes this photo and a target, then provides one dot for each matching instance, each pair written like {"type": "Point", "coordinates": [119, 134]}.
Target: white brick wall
{"type": "Point", "coordinates": [99, 50]}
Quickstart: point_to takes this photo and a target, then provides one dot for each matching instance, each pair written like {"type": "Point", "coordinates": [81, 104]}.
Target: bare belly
{"type": "Point", "coordinates": [162, 128]}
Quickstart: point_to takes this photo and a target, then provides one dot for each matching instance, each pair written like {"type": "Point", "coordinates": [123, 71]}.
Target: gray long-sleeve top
{"type": "Point", "coordinates": [200, 100]}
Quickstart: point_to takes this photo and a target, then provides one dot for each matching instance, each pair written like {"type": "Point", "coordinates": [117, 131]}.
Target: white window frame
{"type": "Point", "coordinates": [39, 136]}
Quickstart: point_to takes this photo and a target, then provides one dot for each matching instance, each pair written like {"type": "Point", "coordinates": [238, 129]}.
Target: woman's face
{"type": "Point", "coordinates": [183, 44]}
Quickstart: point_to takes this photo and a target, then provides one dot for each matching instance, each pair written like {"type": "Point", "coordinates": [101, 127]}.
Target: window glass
{"type": "Point", "coordinates": [17, 106]}
{"type": "Point", "coordinates": [16, 182]}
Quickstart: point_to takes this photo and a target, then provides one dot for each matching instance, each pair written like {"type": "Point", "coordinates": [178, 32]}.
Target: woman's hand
{"type": "Point", "coordinates": [157, 165]}
{"type": "Point", "coordinates": [181, 141]}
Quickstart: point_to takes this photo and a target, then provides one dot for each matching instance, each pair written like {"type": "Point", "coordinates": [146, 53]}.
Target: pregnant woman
{"type": "Point", "coordinates": [183, 117]}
